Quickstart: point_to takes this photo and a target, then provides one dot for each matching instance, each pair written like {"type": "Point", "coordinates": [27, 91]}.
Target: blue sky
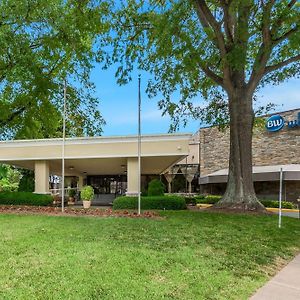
{"type": "Point", "coordinates": [118, 104]}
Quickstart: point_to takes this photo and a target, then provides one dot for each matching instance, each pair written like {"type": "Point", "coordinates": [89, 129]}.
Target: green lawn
{"type": "Point", "coordinates": [187, 255]}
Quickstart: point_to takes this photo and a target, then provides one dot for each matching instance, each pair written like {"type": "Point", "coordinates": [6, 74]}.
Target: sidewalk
{"type": "Point", "coordinates": [284, 286]}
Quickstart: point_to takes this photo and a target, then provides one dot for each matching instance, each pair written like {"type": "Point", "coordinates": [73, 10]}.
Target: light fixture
{"type": "Point", "coordinates": [71, 168]}
{"type": "Point", "coordinates": [123, 166]}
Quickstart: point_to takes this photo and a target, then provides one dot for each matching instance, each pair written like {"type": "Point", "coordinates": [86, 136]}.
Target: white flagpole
{"type": "Point", "coordinates": [280, 198]}
{"type": "Point", "coordinates": [139, 146]}
{"type": "Point", "coordinates": [63, 150]}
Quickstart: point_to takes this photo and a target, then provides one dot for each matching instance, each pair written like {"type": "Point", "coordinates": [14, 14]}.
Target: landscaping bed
{"type": "Point", "coordinates": [70, 211]}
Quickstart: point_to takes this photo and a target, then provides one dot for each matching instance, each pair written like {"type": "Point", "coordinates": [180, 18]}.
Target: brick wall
{"type": "Point", "coordinates": [274, 148]}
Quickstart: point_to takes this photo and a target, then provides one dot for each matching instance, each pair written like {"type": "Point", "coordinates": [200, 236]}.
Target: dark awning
{"type": "Point", "coordinates": [260, 173]}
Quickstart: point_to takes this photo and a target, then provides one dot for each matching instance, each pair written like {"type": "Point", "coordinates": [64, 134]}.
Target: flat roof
{"type": "Point", "coordinates": [98, 155]}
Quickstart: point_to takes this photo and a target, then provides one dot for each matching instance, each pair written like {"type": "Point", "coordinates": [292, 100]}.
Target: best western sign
{"type": "Point", "coordinates": [277, 122]}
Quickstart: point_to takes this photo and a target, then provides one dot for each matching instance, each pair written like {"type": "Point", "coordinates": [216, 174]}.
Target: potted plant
{"type": "Point", "coordinates": [72, 194]}
{"type": "Point", "coordinates": [87, 195]}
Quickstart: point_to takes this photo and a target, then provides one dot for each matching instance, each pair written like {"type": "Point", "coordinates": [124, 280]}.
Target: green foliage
{"type": "Point", "coordinates": [190, 200]}
{"type": "Point", "coordinates": [25, 198]}
{"type": "Point", "coordinates": [71, 193]}
{"type": "Point", "coordinates": [43, 43]}
{"type": "Point", "coordinates": [213, 199]}
{"type": "Point", "coordinates": [156, 188]}
{"type": "Point", "coordinates": [150, 202]}
{"type": "Point", "coordinates": [275, 204]}
{"type": "Point", "coordinates": [27, 181]}
{"type": "Point", "coordinates": [87, 193]}
{"type": "Point", "coordinates": [209, 199]}
{"type": "Point", "coordinates": [9, 178]}
{"type": "Point", "coordinates": [212, 55]}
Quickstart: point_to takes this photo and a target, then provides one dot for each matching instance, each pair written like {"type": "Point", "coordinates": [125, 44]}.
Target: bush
{"type": "Point", "coordinates": [190, 200]}
{"type": "Point", "coordinates": [150, 202]}
{"type": "Point", "coordinates": [275, 204]}
{"type": "Point", "coordinates": [25, 198]}
{"type": "Point", "coordinates": [87, 193]}
{"type": "Point", "coordinates": [27, 181]}
{"type": "Point", "coordinates": [156, 188]}
{"type": "Point", "coordinates": [72, 193]}
{"type": "Point", "coordinates": [209, 199]}
{"type": "Point", "coordinates": [199, 197]}
{"type": "Point", "coordinates": [9, 179]}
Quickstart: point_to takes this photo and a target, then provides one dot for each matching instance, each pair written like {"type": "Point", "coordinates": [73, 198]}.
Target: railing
{"type": "Point", "coordinates": [58, 191]}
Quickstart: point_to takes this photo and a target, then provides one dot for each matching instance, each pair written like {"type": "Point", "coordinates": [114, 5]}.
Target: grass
{"type": "Point", "coordinates": [187, 255]}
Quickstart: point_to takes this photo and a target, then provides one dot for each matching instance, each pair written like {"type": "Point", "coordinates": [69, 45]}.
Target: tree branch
{"type": "Point", "coordinates": [208, 20]}
{"type": "Point", "coordinates": [213, 76]}
{"type": "Point", "coordinates": [227, 21]}
{"type": "Point", "coordinates": [292, 3]}
{"type": "Point", "coordinates": [265, 48]}
{"type": "Point", "coordinates": [13, 115]}
{"type": "Point", "coordinates": [286, 35]}
{"type": "Point", "coordinates": [282, 64]}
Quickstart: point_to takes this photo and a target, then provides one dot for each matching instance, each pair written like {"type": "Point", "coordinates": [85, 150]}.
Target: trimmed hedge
{"type": "Point", "coordinates": [150, 202]}
{"type": "Point", "coordinates": [212, 199]}
{"type": "Point", "coordinates": [209, 199]}
{"type": "Point", "coordinates": [275, 204]}
{"type": "Point", "coordinates": [25, 198]}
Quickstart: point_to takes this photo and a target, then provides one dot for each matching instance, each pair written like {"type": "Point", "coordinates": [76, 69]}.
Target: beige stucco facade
{"type": "Point", "coordinates": [95, 156]}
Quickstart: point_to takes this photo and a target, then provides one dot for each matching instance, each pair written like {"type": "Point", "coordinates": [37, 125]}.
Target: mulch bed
{"type": "Point", "coordinates": [229, 210]}
{"type": "Point", "coordinates": [71, 211]}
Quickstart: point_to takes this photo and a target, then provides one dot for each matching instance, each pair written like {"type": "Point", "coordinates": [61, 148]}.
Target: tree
{"type": "Point", "coordinates": [43, 42]}
{"type": "Point", "coordinates": [224, 50]}
{"type": "Point", "coordinates": [9, 179]}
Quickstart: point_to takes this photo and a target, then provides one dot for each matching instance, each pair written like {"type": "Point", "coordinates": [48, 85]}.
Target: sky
{"type": "Point", "coordinates": [118, 104]}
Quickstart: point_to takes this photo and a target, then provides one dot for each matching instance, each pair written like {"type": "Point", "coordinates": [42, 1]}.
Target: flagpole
{"type": "Point", "coordinates": [280, 198]}
{"type": "Point", "coordinates": [139, 146]}
{"type": "Point", "coordinates": [63, 149]}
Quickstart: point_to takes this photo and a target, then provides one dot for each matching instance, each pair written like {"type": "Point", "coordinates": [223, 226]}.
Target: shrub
{"type": "Point", "coordinates": [156, 188]}
{"type": "Point", "coordinates": [72, 193]}
{"type": "Point", "coordinates": [199, 197]}
{"type": "Point", "coordinates": [27, 181]}
{"type": "Point", "coordinates": [87, 193]}
{"type": "Point", "coordinates": [275, 204]}
{"type": "Point", "coordinates": [9, 179]}
{"type": "Point", "coordinates": [150, 202]}
{"type": "Point", "coordinates": [209, 199]}
{"type": "Point", "coordinates": [25, 198]}
{"type": "Point", "coordinates": [190, 200]}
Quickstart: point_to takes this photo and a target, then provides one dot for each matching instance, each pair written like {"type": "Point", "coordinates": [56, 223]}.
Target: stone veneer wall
{"type": "Point", "coordinates": [275, 148]}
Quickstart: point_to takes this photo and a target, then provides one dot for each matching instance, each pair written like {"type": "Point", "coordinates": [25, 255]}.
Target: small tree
{"type": "Point", "coordinates": [156, 188]}
{"type": "Point", "coordinates": [9, 179]}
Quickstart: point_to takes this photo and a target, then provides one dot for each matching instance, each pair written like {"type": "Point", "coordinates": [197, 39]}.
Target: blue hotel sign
{"type": "Point", "coordinates": [277, 122]}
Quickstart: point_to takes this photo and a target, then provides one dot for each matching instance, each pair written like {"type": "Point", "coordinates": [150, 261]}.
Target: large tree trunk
{"type": "Point", "coordinates": [240, 192]}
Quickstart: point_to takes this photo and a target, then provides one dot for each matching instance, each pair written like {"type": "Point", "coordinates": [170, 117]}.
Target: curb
{"type": "Point", "coordinates": [283, 209]}
{"type": "Point", "coordinates": [271, 209]}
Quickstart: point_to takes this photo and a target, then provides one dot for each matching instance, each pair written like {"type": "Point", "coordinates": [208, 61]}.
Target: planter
{"type": "Point", "coordinates": [86, 204]}
{"type": "Point", "coordinates": [71, 201]}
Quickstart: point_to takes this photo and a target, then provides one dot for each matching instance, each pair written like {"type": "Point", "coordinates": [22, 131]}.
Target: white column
{"type": "Point", "coordinates": [132, 176]}
{"type": "Point", "coordinates": [41, 173]}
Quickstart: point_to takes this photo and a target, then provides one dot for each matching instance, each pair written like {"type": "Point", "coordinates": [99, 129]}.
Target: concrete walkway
{"type": "Point", "coordinates": [284, 286]}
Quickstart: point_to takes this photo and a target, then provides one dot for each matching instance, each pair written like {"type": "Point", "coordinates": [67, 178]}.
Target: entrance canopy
{"type": "Point", "coordinates": [260, 173]}
{"type": "Point", "coordinates": [96, 155]}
